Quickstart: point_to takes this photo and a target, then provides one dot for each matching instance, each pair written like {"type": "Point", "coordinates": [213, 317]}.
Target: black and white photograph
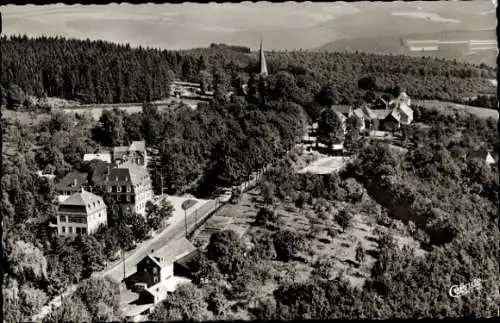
{"type": "Point", "coordinates": [249, 161]}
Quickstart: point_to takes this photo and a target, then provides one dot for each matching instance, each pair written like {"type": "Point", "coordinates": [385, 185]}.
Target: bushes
{"type": "Point", "coordinates": [288, 244]}
{"type": "Point", "coordinates": [267, 218]}
{"type": "Point", "coordinates": [344, 218]}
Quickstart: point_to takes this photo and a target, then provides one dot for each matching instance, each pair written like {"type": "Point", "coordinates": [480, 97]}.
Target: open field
{"type": "Point", "coordinates": [451, 107]}
{"type": "Point", "coordinates": [327, 240]}
{"type": "Point", "coordinates": [96, 109]}
{"type": "Point", "coordinates": [25, 118]}
{"type": "Point", "coordinates": [325, 165]}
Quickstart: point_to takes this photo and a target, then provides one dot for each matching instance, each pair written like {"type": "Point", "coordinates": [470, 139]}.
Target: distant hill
{"type": "Point", "coordinates": [399, 45]}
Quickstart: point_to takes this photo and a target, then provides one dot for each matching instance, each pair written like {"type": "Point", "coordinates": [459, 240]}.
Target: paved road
{"type": "Point", "coordinates": [174, 230]}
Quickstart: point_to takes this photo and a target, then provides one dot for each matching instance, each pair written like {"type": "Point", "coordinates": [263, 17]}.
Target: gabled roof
{"type": "Point", "coordinates": [86, 199]}
{"type": "Point", "coordinates": [171, 252]}
{"type": "Point", "coordinates": [406, 109]}
{"type": "Point", "coordinates": [344, 109]}
{"type": "Point", "coordinates": [69, 181]}
{"type": "Point", "coordinates": [128, 174]}
{"type": "Point", "coordinates": [341, 116]}
{"type": "Point", "coordinates": [359, 113]}
{"type": "Point", "coordinates": [369, 114]}
{"type": "Point", "coordinates": [481, 154]}
{"type": "Point", "coordinates": [396, 113]}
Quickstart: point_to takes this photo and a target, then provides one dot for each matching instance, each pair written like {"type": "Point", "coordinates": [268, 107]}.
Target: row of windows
{"type": "Point", "coordinates": [119, 189]}
{"type": "Point", "coordinates": [77, 230]}
{"type": "Point", "coordinates": [80, 219]}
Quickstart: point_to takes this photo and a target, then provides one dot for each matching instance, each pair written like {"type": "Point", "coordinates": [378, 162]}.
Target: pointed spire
{"type": "Point", "coordinates": [263, 66]}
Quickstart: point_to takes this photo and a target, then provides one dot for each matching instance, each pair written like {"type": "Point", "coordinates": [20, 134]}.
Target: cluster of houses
{"type": "Point", "coordinates": [382, 115]}
{"type": "Point", "coordinates": [122, 173]}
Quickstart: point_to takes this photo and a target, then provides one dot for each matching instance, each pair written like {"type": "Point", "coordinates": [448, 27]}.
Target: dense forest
{"type": "Point", "coordinates": [101, 72]}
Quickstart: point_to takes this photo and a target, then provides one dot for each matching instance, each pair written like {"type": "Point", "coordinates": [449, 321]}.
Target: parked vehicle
{"type": "Point", "coordinates": [226, 196]}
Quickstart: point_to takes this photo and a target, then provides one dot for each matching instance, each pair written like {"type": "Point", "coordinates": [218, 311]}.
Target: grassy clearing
{"type": "Point", "coordinates": [449, 107]}
{"type": "Point", "coordinates": [25, 118]}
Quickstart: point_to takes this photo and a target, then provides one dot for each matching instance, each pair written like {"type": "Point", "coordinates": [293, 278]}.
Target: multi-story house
{"type": "Point", "coordinates": [153, 278]}
{"type": "Point", "coordinates": [130, 185]}
{"type": "Point", "coordinates": [81, 213]}
{"type": "Point", "coordinates": [135, 153]}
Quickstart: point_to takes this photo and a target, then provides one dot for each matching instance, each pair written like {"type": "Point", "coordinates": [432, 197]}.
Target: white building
{"type": "Point", "coordinates": [81, 213]}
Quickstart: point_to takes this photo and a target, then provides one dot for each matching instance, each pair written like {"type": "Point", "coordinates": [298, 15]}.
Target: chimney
{"type": "Point", "coordinates": [75, 182]}
{"type": "Point", "coordinates": [108, 170]}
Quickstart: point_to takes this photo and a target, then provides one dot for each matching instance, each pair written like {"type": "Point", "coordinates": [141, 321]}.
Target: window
{"type": "Point", "coordinates": [129, 189]}
{"type": "Point", "coordinates": [155, 279]}
{"type": "Point", "coordinates": [70, 229]}
{"type": "Point", "coordinates": [119, 189]}
{"type": "Point", "coordinates": [77, 230]}
{"type": "Point", "coordinates": [63, 229]}
{"type": "Point", "coordinates": [119, 198]}
{"type": "Point", "coordinates": [155, 271]}
{"type": "Point", "coordinates": [110, 189]}
{"type": "Point", "coordinates": [128, 198]}
{"type": "Point", "coordinates": [62, 218]}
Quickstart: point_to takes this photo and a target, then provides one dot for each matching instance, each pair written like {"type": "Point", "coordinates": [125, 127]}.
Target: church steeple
{"type": "Point", "coordinates": [263, 66]}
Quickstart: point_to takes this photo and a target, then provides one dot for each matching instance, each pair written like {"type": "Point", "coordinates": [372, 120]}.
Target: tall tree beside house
{"type": "Point", "coordinates": [110, 132]}
{"type": "Point", "coordinates": [186, 303]}
{"type": "Point", "coordinates": [330, 129]}
{"type": "Point", "coordinates": [352, 140]}
{"type": "Point", "coordinates": [152, 125]}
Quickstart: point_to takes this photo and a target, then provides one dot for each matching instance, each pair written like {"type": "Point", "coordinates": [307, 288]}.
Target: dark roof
{"type": "Point", "coordinates": [188, 259]}
{"type": "Point", "coordinates": [73, 180]}
{"type": "Point", "coordinates": [127, 174]}
{"type": "Point", "coordinates": [99, 170]}
{"type": "Point", "coordinates": [478, 153]}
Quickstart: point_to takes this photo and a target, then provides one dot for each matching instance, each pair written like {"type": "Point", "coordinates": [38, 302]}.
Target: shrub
{"type": "Point", "coordinates": [267, 218]}
{"type": "Point", "coordinates": [288, 243]}
{"type": "Point", "coordinates": [344, 219]}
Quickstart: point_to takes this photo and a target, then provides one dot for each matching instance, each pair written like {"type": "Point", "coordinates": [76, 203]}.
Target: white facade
{"type": "Point", "coordinates": [79, 214]}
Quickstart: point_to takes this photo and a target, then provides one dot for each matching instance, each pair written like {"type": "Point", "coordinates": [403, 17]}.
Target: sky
{"type": "Point", "coordinates": [287, 25]}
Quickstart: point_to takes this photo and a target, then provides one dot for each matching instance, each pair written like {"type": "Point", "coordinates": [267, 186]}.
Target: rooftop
{"type": "Point", "coordinates": [72, 180]}
{"type": "Point", "coordinates": [128, 173]}
{"type": "Point", "coordinates": [84, 198]}
{"type": "Point", "coordinates": [344, 109]}
{"type": "Point", "coordinates": [171, 252]}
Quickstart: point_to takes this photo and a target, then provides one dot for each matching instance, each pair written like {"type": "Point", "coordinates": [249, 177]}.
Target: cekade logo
{"type": "Point", "coordinates": [464, 289]}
